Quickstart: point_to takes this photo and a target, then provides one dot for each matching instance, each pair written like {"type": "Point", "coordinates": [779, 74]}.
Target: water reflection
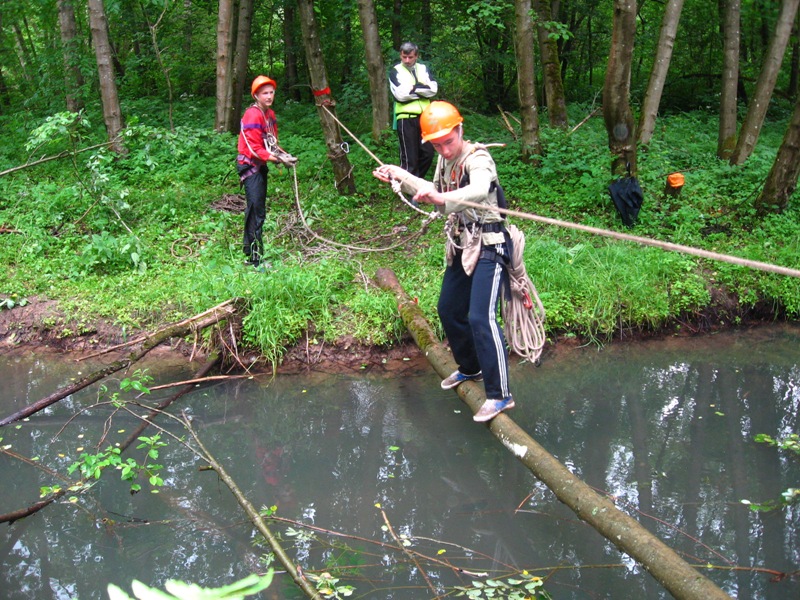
{"type": "Point", "coordinates": [665, 428]}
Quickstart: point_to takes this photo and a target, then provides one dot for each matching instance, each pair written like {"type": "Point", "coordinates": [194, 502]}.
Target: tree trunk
{"type": "Point", "coordinates": [794, 63]}
{"type": "Point", "coordinates": [625, 532]}
{"type": "Point", "coordinates": [655, 87]}
{"type": "Point", "coordinates": [551, 67]}
{"type": "Point", "coordinates": [112, 114]}
{"type": "Point", "coordinates": [73, 78]}
{"type": "Point", "coordinates": [224, 64]}
{"type": "Point", "coordinates": [345, 183]}
{"type": "Point", "coordinates": [731, 25]}
{"type": "Point", "coordinates": [523, 45]}
{"type": "Point", "coordinates": [757, 110]}
{"type": "Point", "coordinates": [616, 90]}
{"type": "Point", "coordinates": [375, 67]}
{"type": "Point", "coordinates": [290, 53]}
{"type": "Point", "coordinates": [397, 20]}
{"type": "Point", "coordinates": [238, 86]}
{"type": "Point", "coordinates": [782, 179]}
{"type": "Point", "coordinates": [22, 53]}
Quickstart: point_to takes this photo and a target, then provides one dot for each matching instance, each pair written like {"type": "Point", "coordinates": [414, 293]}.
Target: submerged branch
{"type": "Point", "coordinates": [682, 580]}
{"type": "Point", "coordinates": [36, 507]}
{"type": "Point", "coordinates": [291, 568]}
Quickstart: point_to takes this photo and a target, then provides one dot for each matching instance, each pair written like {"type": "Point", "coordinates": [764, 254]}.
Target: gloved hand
{"type": "Point", "coordinates": [286, 159]}
{"type": "Point", "coordinates": [289, 160]}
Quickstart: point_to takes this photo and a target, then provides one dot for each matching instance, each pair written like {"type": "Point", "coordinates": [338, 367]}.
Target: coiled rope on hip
{"type": "Point", "coordinates": [523, 312]}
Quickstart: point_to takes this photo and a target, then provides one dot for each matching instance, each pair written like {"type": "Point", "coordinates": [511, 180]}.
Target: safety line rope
{"type": "Point", "coordinates": [744, 262]}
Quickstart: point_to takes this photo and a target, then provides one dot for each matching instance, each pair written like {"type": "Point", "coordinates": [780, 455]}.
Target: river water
{"type": "Point", "coordinates": [666, 428]}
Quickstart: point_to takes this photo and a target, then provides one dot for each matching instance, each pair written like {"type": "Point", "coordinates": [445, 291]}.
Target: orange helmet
{"type": "Point", "coordinates": [438, 119]}
{"type": "Point", "coordinates": [259, 81]}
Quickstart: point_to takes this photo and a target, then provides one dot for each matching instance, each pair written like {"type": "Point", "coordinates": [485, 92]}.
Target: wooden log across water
{"type": "Point", "coordinates": [678, 577]}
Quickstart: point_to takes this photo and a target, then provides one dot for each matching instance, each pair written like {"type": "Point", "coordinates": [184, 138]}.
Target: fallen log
{"type": "Point", "coordinates": [181, 329]}
{"type": "Point", "coordinates": [678, 577]}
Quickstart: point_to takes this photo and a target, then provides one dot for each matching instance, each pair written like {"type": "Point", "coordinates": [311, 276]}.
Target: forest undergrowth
{"type": "Point", "coordinates": [152, 237]}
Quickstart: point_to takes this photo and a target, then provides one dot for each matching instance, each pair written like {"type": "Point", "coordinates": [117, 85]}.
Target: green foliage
{"type": "Point", "coordinates": [522, 587]}
{"type": "Point", "coordinates": [179, 590]}
{"type": "Point", "coordinates": [58, 128]}
{"type": "Point", "coordinates": [105, 253]}
{"type": "Point", "coordinates": [135, 239]}
{"type": "Point", "coordinates": [11, 301]}
{"type": "Point", "coordinates": [91, 466]}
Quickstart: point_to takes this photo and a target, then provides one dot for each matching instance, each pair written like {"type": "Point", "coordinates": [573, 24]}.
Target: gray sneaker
{"type": "Point", "coordinates": [457, 378]}
{"type": "Point", "coordinates": [492, 408]}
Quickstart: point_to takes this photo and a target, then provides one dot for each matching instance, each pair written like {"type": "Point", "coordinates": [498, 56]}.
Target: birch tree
{"type": "Point", "coordinates": [731, 29]}
{"type": "Point", "coordinates": [523, 46]}
{"type": "Point", "coordinates": [655, 86]}
{"type": "Point", "coordinates": [112, 115]}
{"type": "Point", "coordinates": [326, 107]}
{"type": "Point", "coordinates": [757, 110]}
{"type": "Point", "coordinates": [616, 90]}
{"type": "Point", "coordinates": [376, 68]}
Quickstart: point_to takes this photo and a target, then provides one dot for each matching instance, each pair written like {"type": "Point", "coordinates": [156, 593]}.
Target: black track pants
{"type": "Point", "coordinates": [468, 311]}
{"type": "Point", "coordinates": [415, 157]}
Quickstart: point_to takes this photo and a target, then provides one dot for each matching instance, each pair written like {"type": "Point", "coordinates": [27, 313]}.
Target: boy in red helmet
{"type": "Point", "coordinates": [478, 252]}
{"type": "Point", "coordinates": [258, 145]}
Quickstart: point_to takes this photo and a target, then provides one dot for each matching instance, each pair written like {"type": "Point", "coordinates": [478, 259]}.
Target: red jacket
{"type": "Point", "coordinates": [256, 126]}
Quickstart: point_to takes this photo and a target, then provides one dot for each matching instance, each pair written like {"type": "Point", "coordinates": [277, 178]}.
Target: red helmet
{"type": "Point", "coordinates": [438, 119]}
{"type": "Point", "coordinates": [259, 81]}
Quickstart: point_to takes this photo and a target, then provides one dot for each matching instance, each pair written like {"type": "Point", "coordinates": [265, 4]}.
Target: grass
{"type": "Point", "coordinates": [136, 241]}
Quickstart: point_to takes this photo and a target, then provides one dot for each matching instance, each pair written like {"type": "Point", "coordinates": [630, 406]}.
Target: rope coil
{"type": "Point", "coordinates": [523, 312]}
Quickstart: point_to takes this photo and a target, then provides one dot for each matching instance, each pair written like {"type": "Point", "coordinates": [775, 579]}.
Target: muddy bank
{"type": "Point", "coordinates": [40, 326]}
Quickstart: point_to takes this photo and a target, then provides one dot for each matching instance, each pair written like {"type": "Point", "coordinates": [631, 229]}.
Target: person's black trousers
{"type": "Point", "coordinates": [468, 311]}
{"type": "Point", "coordinates": [255, 191]}
{"type": "Point", "coordinates": [415, 157]}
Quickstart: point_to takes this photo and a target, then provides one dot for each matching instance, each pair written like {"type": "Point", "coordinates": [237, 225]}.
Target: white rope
{"type": "Point", "coordinates": [523, 313]}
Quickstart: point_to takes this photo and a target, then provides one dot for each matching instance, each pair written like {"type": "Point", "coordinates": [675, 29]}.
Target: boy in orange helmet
{"type": "Point", "coordinates": [478, 251]}
{"type": "Point", "coordinates": [257, 146]}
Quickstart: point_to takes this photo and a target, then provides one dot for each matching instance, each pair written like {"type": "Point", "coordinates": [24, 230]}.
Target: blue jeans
{"type": "Point", "coordinates": [468, 311]}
